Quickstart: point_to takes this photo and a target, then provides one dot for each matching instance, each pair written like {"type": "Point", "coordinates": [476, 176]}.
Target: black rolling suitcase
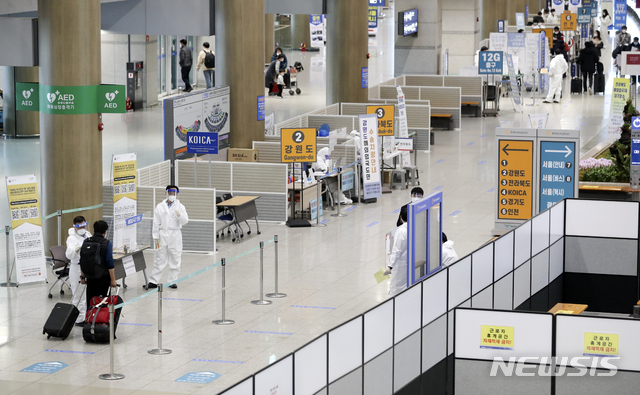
{"type": "Point", "coordinates": [61, 320]}
{"type": "Point", "coordinates": [598, 83]}
{"type": "Point", "coordinates": [576, 81]}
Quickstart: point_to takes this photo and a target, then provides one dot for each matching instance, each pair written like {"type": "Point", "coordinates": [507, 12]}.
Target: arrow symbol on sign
{"type": "Point", "coordinates": [512, 149]}
{"type": "Point", "coordinates": [567, 151]}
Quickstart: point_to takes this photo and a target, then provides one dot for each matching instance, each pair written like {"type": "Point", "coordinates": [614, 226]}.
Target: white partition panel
{"type": "Point", "coordinates": [570, 338]}
{"type": "Point", "coordinates": [434, 297]}
{"type": "Point", "coordinates": [540, 232]}
{"type": "Point", "coordinates": [602, 218]}
{"type": "Point", "coordinates": [378, 330]}
{"type": "Point", "coordinates": [556, 260]}
{"type": "Point", "coordinates": [279, 375]}
{"type": "Point", "coordinates": [407, 312]}
{"type": "Point", "coordinates": [532, 332]}
{"type": "Point", "coordinates": [521, 284]}
{"type": "Point", "coordinates": [244, 388]}
{"type": "Point", "coordinates": [523, 243]}
{"type": "Point", "coordinates": [311, 367]}
{"type": "Point", "coordinates": [539, 271]}
{"type": "Point", "coordinates": [459, 282]}
{"type": "Point", "coordinates": [345, 349]}
{"type": "Point", "coordinates": [557, 221]}
{"type": "Point", "coordinates": [503, 256]}
{"type": "Point", "coordinates": [503, 293]}
{"type": "Point", "coordinates": [482, 268]}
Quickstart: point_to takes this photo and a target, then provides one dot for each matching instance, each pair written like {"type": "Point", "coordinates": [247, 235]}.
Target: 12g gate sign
{"type": "Point", "coordinates": [490, 62]}
{"type": "Point", "coordinates": [298, 145]}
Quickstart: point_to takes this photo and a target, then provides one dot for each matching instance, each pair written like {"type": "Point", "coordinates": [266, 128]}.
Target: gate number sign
{"type": "Point", "coordinates": [490, 62]}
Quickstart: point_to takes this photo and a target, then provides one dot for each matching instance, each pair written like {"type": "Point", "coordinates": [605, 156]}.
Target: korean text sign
{"type": "Point", "coordinates": [557, 170]}
{"type": "Point", "coordinates": [369, 155]}
{"type": "Point", "coordinates": [515, 176]}
{"type": "Point", "coordinates": [490, 62]}
{"type": "Point", "coordinates": [386, 118]}
{"type": "Point", "coordinates": [601, 344]}
{"type": "Point", "coordinates": [298, 145]}
{"type": "Point", "coordinates": [497, 337]}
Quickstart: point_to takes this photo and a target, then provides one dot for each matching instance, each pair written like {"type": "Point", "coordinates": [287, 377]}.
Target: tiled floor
{"type": "Point", "coordinates": [327, 271]}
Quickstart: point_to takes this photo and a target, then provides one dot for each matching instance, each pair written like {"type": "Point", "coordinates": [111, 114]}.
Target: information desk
{"type": "Point", "coordinates": [309, 193]}
{"type": "Point", "coordinates": [242, 209]}
{"type": "Point", "coordinates": [140, 264]}
{"type": "Point", "coordinates": [568, 308]}
{"type": "Point", "coordinates": [330, 181]}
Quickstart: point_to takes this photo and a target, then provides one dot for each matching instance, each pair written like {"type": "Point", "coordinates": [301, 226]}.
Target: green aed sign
{"type": "Point", "coordinates": [70, 100]}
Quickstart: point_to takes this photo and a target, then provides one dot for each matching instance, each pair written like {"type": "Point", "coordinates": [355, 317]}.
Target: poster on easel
{"type": "Point", "coordinates": [317, 26]}
{"type": "Point", "coordinates": [28, 241]}
{"type": "Point", "coordinates": [125, 201]}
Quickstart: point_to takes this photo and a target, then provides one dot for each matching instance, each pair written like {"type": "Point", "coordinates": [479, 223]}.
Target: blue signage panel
{"type": "Point", "coordinates": [635, 152]}
{"type": "Point", "coordinates": [45, 367]}
{"type": "Point", "coordinates": [500, 26]}
{"type": "Point", "coordinates": [516, 40]}
{"type": "Point", "coordinates": [134, 220]}
{"type": "Point", "coordinates": [619, 14]}
{"type": "Point", "coordinates": [575, 2]}
{"type": "Point", "coordinates": [490, 62]}
{"type": "Point", "coordinates": [557, 3]}
{"type": "Point", "coordinates": [373, 17]}
{"type": "Point", "coordinates": [584, 14]}
{"type": "Point", "coordinates": [520, 21]}
{"type": "Point", "coordinates": [526, 11]}
{"type": "Point", "coordinates": [557, 170]}
{"type": "Point", "coordinates": [377, 3]}
{"type": "Point", "coordinates": [594, 9]}
{"type": "Point", "coordinates": [365, 77]}
{"type": "Point", "coordinates": [202, 143]}
{"type": "Point", "coordinates": [408, 22]}
{"type": "Point", "coordinates": [348, 178]}
{"type": "Point", "coordinates": [261, 108]}
{"type": "Point", "coordinates": [198, 377]}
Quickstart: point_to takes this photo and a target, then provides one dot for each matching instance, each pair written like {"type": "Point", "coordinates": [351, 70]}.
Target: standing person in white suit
{"type": "Point", "coordinates": [397, 266]}
{"type": "Point", "coordinates": [557, 67]}
{"type": "Point", "coordinates": [77, 235]}
{"type": "Point", "coordinates": [168, 218]}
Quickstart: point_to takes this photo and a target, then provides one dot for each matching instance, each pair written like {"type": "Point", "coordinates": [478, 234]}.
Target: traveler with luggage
{"type": "Point", "coordinates": [207, 61]}
{"type": "Point", "coordinates": [587, 60]}
{"type": "Point", "coordinates": [557, 67]}
{"type": "Point", "coordinates": [96, 262]}
{"type": "Point", "coordinates": [598, 42]}
{"type": "Point", "coordinates": [77, 235]}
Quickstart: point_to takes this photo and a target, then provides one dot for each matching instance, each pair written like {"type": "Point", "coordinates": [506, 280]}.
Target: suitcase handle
{"type": "Point", "coordinates": [95, 316]}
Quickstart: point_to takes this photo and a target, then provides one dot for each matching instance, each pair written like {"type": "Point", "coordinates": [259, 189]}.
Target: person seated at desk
{"type": "Point", "coordinates": [321, 166]}
{"type": "Point", "coordinates": [449, 255]}
{"type": "Point", "coordinates": [416, 194]}
{"type": "Point", "coordinates": [397, 266]}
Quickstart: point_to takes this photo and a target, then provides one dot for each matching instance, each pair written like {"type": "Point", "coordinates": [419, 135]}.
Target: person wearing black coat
{"type": "Point", "coordinates": [272, 72]}
{"type": "Point", "coordinates": [588, 60]}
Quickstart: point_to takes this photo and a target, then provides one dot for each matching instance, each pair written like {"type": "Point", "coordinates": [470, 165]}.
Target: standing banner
{"type": "Point", "coordinates": [516, 97]}
{"type": "Point", "coordinates": [538, 121]}
{"type": "Point", "coordinates": [125, 205]}
{"type": "Point", "coordinates": [619, 97]}
{"type": "Point", "coordinates": [574, 5]}
{"type": "Point", "coordinates": [370, 152]}
{"type": "Point", "coordinates": [26, 222]}
{"type": "Point", "coordinates": [619, 14]}
{"type": "Point", "coordinates": [403, 126]}
{"type": "Point", "coordinates": [316, 25]}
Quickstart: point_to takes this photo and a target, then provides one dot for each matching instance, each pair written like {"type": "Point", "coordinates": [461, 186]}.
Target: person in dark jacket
{"type": "Point", "coordinates": [588, 60]}
{"type": "Point", "coordinates": [100, 286]}
{"type": "Point", "coordinates": [272, 72]}
{"type": "Point", "coordinates": [538, 18]}
{"type": "Point", "coordinates": [276, 54]}
{"type": "Point", "coordinates": [186, 60]}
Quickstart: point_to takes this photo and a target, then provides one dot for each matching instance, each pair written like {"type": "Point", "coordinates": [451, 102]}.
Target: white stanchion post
{"type": "Point", "coordinates": [111, 375]}
{"type": "Point", "coordinates": [160, 350]}
{"type": "Point", "coordinates": [59, 227]}
{"type": "Point", "coordinates": [261, 301]}
{"type": "Point", "coordinates": [276, 294]}
{"type": "Point", "coordinates": [338, 192]}
{"type": "Point", "coordinates": [8, 284]}
{"type": "Point", "coordinates": [317, 225]}
{"type": "Point", "coordinates": [224, 321]}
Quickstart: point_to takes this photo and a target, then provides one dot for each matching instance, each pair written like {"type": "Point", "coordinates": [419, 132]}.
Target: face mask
{"type": "Point", "coordinates": [624, 31]}
{"type": "Point", "coordinates": [414, 199]}
{"type": "Point", "coordinates": [82, 232]}
{"type": "Point", "coordinates": [171, 198]}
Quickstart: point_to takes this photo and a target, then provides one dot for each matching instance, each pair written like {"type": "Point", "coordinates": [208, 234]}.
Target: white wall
{"type": "Point", "coordinates": [460, 32]}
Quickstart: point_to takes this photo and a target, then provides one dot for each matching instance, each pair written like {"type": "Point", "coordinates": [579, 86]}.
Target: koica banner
{"type": "Point", "coordinates": [26, 222]}
{"type": "Point", "coordinates": [125, 205]}
{"type": "Point", "coordinates": [369, 155]}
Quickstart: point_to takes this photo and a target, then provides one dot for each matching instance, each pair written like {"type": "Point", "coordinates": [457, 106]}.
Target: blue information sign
{"type": "Point", "coordinates": [348, 178]}
{"type": "Point", "coordinates": [594, 9]}
{"type": "Point", "coordinates": [198, 377]}
{"type": "Point", "coordinates": [45, 367]}
{"type": "Point", "coordinates": [202, 143]}
{"type": "Point", "coordinates": [501, 26]}
{"type": "Point", "coordinates": [584, 14]}
{"type": "Point", "coordinates": [261, 108]}
{"type": "Point", "coordinates": [377, 3]}
{"type": "Point", "coordinates": [619, 14]}
{"type": "Point", "coordinates": [557, 171]}
{"type": "Point", "coordinates": [526, 11]}
{"type": "Point", "coordinates": [490, 62]}
{"type": "Point", "coordinates": [635, 152]}
{"type": "Point", "coordinates": [365, 77]}
{"type": "Point", "coordinates": [373, 17]}
{"type": "Point", "coordinates": [134, 220]}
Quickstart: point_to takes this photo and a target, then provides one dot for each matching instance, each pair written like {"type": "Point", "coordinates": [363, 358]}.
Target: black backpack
{"type": "Point", "coordinates": [91, 260]}
{"type": "Point", "coordinates": [209, 60]}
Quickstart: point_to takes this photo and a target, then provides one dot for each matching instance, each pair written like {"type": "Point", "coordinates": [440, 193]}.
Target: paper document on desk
{"type": "Point", "coordinates": [129, 265]}
{"type": "Point", "coordinates": [379, 276]}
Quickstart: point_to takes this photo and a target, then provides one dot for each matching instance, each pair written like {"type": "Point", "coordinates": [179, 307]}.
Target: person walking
{"type": "Point", "coordinates": [207, 61]}
{"type": "Point", "coordinates": [272, 72]}
{"type": "Point", "coordinates": [557, 67]}
{"type": "Point", "coordinates": [186, 60]}
{"type": "Point", "coordinates": [605, 21]}
{"type": "Point", "coordinates": [597, 42]}
{"type": "Point", "coordinates": [77, 235]}
{"type": "Point", "coordinates": [168, 218]}
{"type": "Point", "coordinates": [588, 60]}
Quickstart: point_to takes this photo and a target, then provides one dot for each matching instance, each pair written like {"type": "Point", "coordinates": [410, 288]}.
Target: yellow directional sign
{"type": "Point", "coordinates": [515, 178]}
{"type": "Point", "coordinates": [298, 145]}
{"type": "Point", "coordinates": [568, 21]}
{"type": "Point", "coordinates": [386, 118]}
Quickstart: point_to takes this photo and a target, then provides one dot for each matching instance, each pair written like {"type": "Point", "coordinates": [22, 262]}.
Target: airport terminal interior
{"type": "Point", "coordinates": [327, 273]}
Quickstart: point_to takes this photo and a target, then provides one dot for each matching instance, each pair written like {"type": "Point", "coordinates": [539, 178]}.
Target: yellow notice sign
{"type": "Point", "coordinates": [564, 312]}
{"type": "Point", "coordinates": [386, 118]}
{"type": "Point", "coordinates": [568, 21]}
{"type": "Point", "coordinates": [515, 179]}
{"type": "Point", "coordinates": [124, 177]}
{"type": "Point", "coordinates": [497, 337]}
{"type": "Point", "coordinates": [23, 201]}
{"type": "Point", "coordinates": [601, 344]}
{"type": "Point", "coordinates": [298, 145]}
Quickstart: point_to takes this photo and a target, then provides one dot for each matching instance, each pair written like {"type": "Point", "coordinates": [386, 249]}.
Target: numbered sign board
{"type": "Point", "coordinates": [490, 62]}
{"type": "Point", "coordinates": [298, 145]}
{"type": "Point", "coordinates": [386, 118]}
{"type": "Point", "coordinates": [568, 21]}
{"type": "Point", "coordinates": [558, 168]}
{"type": "Point", "coordinates": [515, 179]}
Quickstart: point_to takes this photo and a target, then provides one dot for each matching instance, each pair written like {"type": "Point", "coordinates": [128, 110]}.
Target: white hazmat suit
{"type": "Point", "coordinates": [557, 68]}
{"type": "Point", "coordinates": [74, 242]}
{"type": "Point", "coordinates": [168, 219]}
{"type": "Point", "coordinates": [398, 261]}
{"type": "Point", "coordinates": [449, 255]}
{"type": "Point", "coordinates": [321, 165]}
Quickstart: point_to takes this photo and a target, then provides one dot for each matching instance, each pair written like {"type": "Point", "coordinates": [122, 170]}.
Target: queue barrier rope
{"type": "Point", "coordinates": [74, 210]}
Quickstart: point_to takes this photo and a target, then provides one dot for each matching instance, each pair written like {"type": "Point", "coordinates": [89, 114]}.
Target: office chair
{"type": "Point", "coordinates": [59, 267]}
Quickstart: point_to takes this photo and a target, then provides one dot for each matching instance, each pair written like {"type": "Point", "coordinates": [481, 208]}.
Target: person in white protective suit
{"type": "Point", "coordinates": [77, 235]}
{"type": "Point", "coordinates": [397, 266]}
{"type": "Point", "coordinates": [168, 218]}
{"type": "Point", "coordinates": [449, 255]}
{"type": "Point", "coordinates": [557, 68]}
{"type": "Point", "coordinates": [321, 166]}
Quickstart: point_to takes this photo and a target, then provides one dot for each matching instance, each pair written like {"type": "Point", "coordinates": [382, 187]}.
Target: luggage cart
{"type": "Point", "coordinates": [293, 78]}
{"type": "Point", "coordinates": [490, 94]}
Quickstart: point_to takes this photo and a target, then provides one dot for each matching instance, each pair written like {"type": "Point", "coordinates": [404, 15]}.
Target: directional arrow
{"type": "Point", "coordinates": [567, 151]}
{"type": "Point", "coordinates": [512, 149]}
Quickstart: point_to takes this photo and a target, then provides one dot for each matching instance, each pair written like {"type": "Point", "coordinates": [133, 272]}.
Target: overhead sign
{"type": "Point", "coordinates": [584, 15]}
{"type": "Point", "coordinates": [71, 100]}
{"type": "Point", "coordinates": [408, 22]}
{"type": "Point", "coordinates": [490, 62]}
{"type": "Point", "coordinates": [557, 172]}
{"type": "Point", "coordinates": [298, 145]}
{"type": "Point", "coordinates": [45, 367]}
{"type": "Point", "coordinates": [202, 143]}
{"type": "Point", "coordinates": [386, 118]}
{"type": "Point", "coordinates": [377, 3]}
{"type": "Point", "coordinates": [568, 21]}
{"type": "Point", "coordinates": [198, 377]}
{"type": "Point", "coordinates": [370, 154]}
{"type": "Point", "coordinates": [515, 178]}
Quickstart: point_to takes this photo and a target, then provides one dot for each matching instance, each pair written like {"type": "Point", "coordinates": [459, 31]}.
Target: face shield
{"type": "Point", "coordinates": [171, 194]}
{"type": "Point", "coordinates": [81, 228]}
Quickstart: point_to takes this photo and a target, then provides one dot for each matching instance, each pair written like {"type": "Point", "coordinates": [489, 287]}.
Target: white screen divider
{"type": "Point", "coordinates": [345, 348]}
{"type": "Point", "coordinates": [503, 256]}
{"type": "Point", "coordinates": [243, 388]}
{"type": "Point", "coordinates": [311, 367]}
{"type": "Point", "coordinates": [279, 375]}
{"type": "Point", "coordinates": [532, 334]}
{"type": "Point", "coordinates": [482, 268]}
{"type": "Point", "coordinates": [459, 282]}
{"type": "Point", "coordinates": [540, 232]}
{"type": "Point", "coordinates": [407, 313]}
{"type": "Point", "coordinates": [378, 330]}
{"type": "Point", "coordinates": [557, 221]}
{"type": "Point", "coordinates": [434, 296]}
{"type": "Point", "coordinates": [522, 243]}
{"type": "Point", "coordinates": [595, 218]}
